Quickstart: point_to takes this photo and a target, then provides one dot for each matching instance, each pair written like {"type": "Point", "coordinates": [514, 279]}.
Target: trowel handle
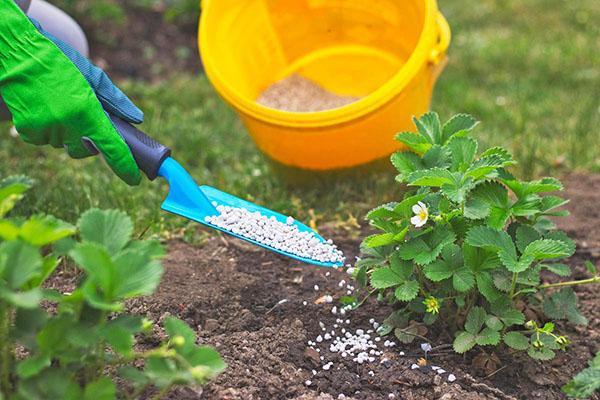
{"type": "Point", "coordinates": [148, 153]}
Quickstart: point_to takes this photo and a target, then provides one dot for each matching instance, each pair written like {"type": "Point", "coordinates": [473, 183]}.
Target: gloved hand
{"type": "Point", "coordinates": [56, 96]}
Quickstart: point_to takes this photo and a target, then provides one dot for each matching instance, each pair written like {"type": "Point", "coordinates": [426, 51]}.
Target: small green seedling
{"type": "Point", "coordinates": [467, 245]}
{"type": "Point", "coordinates": [69, 351]}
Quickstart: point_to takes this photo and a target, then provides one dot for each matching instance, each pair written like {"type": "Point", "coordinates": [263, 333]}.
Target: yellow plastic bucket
{"type": "Point", "coordinates": [389, 52]}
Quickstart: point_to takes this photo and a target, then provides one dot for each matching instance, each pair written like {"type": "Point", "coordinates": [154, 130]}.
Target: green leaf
{"type": "Point", "coordinates": [49, 265]}
{"type": "Point", "coordinates": [502, 280]}
{"type": "Point", "coordinates": [10, 193]}
{"type": "Point", "coordinates": [547, 328]}
{"type": "Point", "coordinates": [526, 234]}
{"type": "Point", "coordinates": [101, 389]}
{"type": "Point", "coordinates": [8, 230]}
{"type": "Point", "coordinates": [96, 261]}
{"type": "Point", "coordinates": [464, 342]}
{"type": "Point", "coordinates": [379, 240]}
{"type": "Point", "coordinates": [176, 327]}
{"type": "Point", "coordinates": [458, 190]}
{"type": "Point", "coordinates": [437, 271]}
{"type": "Point", "coordinates": [434, 177]}
{"type": "Point", "coordinates": [29, 299]}
{"type": "Point", "coordinates": [401, 267]}
{"type": "Point", "coordinates": [490, 200]}
{"type": "Point", "coordinates": [586, 382]}
{"type": "Point", "coordinates": [516, 340]}
{"type": "Point", "coordinates": [526, 207]}
{"type": "Point", "coordinates": [564, 238]}
{"type": "Point", "coordinates": [32, 366]}
{"type": "Point", "coordinates": [463, 279]}
{"type": "Point", "coordinates": [462, 151]}
{"type": "Point", "coordinates": [425, 249]}
{"type": "Point", "coordinates": [563, 305]}
{"type": "Point", "coordinates": [488, 337]}
{"type": "Point", "coordinates": [591, 268]}
{"type": "Point", "coordinates": [407, 291]}
{"type": "Point", "coordinates": [22, 180]}
{"type": "Point", "coordinates": [451, 261]}
{"type": "Point", "coordinates": [383, 211]}
{"type": "Point", "coordinates": [27, 324]}
{"type": "Point", "coordinates": [494, 323]}
{"type": "Point", "coordinates": [406, 163]}
{"type": "Point", "coordinates": [549, 203]}
{"type": "Point", "coordinates": [414, 142]}
{"type": "Point", "coordinates": [543, 354]}
{"type": "Point", "coordinates": [133, 375]}
{"type": "Point", "coordinates": [119, 338]}
{"type": "Point", "coordinates": [558, 269]}
{"type": "Point", "coordinates": [486, 287]}
{"type": "Point", "coordinates": [489, 163]}
{"type": "Point", "coordinates": [208, 357]}
{"type": "Point", "coordinates": [511, 316]}
{"type": "Point", "coordinates": [475, 320]}
{"type": "Point", "coordinates": [500, 241]}
{"type": "Point", "coordinates": [43, 230]}
{"type": "Point", "coordinates": [543, 249]}
{"type": "Point", "coordinates": [522, 189]}
{"type": "Point", "coordinates": [436, 157]}
{"type": "Point", "coordinates": [456, 124]}
{"type": "Point", "coordinates": [404, 208]}
{"type": "Point", "coordinates": [110, 228]}
{"type": "Point", "coordinates": [407, 334]}
{"type": "Point", "coordinates": [501, 153]}
{"type": "Point", "coordinates": [51, 383]}
{"type": "Point", "coordinates": [479, 259]}
{"type": "Point", "coordinates": [20, 262]}
{"type": "Point", "coordinates": [397, 319]}
{"type": "Point", "coordinates": [488, 238]}
{"type": "Point", "coordinates": [138, 273]}
{"type": "Point", "coordinates": [383, 278]}
{"type": "Point", "coordinates": [514, 264]}
{"type": "Point", "coordinates": [429, 127]}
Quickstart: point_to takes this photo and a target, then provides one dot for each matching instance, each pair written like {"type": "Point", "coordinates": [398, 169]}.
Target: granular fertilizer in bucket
{"type": "Point", "coordinates": [298, 94]}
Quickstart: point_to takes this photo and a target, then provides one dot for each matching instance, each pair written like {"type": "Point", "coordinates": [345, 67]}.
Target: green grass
{"type": "Point", "coordinates": [530, 71]}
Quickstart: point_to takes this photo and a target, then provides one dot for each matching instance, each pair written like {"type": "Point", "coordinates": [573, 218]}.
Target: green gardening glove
{"type": "Point", "coordinates": [51, 101]}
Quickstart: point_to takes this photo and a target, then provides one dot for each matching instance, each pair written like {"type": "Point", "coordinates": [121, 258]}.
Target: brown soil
{"type": "Point", "coordinates": [298, 94]}
{"type": "Point", "coordinates": [232, 293]}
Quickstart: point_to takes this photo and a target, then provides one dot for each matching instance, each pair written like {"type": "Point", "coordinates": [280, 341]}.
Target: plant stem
{"type": "Point", "coordinates": [5, 349]}
{"type": "Point", "coordinates": [595, 279]}
{"type": "Point", "coordinates": [513, 284]}
{"type": "Point", "coordinates": [366, 297]}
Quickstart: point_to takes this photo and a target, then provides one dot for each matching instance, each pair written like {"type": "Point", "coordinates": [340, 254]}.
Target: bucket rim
{"type": "Point", "coordinates": [421, 55]}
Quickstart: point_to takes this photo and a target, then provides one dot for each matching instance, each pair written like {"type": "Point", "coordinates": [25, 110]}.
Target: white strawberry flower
{"type": "Point", "coordinates": [421, 214]}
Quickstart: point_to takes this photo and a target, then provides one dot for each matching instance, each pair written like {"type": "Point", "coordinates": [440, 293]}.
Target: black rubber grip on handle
{"type": "Point", "coordinates": [148, 153]}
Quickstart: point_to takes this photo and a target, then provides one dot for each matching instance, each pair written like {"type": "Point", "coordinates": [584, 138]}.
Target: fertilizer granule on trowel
{"type": "Point", "coordinates": [281, 236]}
{"type": "Point", "coordinates": [298, 94]}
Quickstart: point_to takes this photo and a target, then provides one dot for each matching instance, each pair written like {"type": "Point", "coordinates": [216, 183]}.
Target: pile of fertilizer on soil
{"type": "Point", "coordinates": [298, 94]}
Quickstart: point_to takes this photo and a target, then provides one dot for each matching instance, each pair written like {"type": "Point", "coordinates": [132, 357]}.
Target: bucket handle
{"type": "Point", "coordinates": [438, 52]}
{"type": "Point", "coordinates": [438, 58]}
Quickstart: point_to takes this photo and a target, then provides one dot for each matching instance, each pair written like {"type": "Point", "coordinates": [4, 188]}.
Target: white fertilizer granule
{"type": "Point", "coordinates": [281, 236]}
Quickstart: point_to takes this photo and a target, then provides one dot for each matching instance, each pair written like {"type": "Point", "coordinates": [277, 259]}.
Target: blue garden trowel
{"type": "Point", "coordinates": [185, 197]}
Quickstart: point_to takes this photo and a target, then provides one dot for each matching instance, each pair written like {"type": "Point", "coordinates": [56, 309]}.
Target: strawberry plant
{"type": "Point", "coordinates": [467, 245]}
{"type": "Point", "coordinates": [76, 350]}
